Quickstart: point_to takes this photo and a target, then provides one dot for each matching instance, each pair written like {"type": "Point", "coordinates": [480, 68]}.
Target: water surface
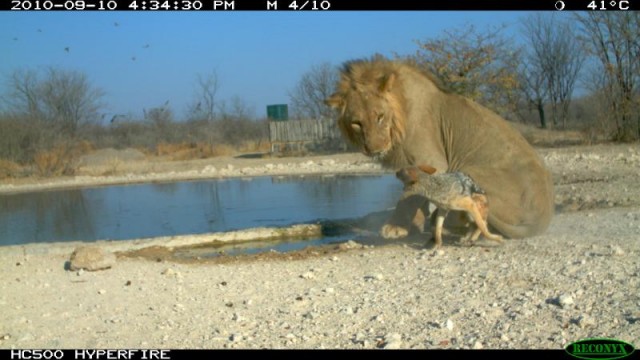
{"type": "Point", "coordinates": [189, 207]}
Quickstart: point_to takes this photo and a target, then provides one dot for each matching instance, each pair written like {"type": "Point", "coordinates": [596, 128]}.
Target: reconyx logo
{"type": "Point", "coordinates": [599, 349]}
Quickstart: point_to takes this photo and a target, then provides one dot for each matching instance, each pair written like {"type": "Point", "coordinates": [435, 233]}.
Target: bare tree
{"type": "Point", "coordinates": [317, 84]}
{"type": "Point", "coordinates": [556, 57]}
{"type": "Point", "coordinates": [23, 95]}
{"type": "Point", "coordinates": [533, 85]}
{"type": "Point", "coordinates": [236, 108]}
{"type": "Point", "coordinates": [69, 99]}
{"type": "Point", "coordinates": [477, 64]}
{"type": "Point", "coordinates": [205, 104]}
{"type": "Point", "coordinates": [613, 38]}
{"type": "Point", "coordinates": [161, 120]}
{"type": "Point", "coordinates": [237, 123]}
{"type": "Point", "coordinates": [63, 98]}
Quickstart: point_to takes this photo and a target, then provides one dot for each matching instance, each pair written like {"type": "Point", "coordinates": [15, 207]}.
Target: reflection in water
{"type": "Point", "coordinates": [40, 217]}
{"type": "Point", "coordinates": [149, 210]}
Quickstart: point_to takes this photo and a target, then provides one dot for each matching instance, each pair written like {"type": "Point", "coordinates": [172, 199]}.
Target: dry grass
{"type": "Point", "coordinates": [189, 151]}
{"type": "Point", "coordinates": [114, 165]}
{"type": "Point", "coordinates": [61, 159]}
{"type": "Point", "coordinates": [9, 169]}
{"type": "Point", "coordinates": [550, 138]}
{"type": "Point", "coordinates": [254, 147]}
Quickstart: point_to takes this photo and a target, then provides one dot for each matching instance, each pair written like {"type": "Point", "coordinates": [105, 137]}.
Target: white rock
{"type": "Point", "coordinates": [449, 324]}
{"type": "Point", "coordinates": [393, 341]}
{"type": "Point", "coordinates": [169, 272]}
{"type": "Point", "coordinates": [565, 300]}
{"type": "Point", "coordinates": [617, 250]}
{"type": "Point", "coordinates": [585, 320]}
{"type": "Point", "coordinates": [307, 275]}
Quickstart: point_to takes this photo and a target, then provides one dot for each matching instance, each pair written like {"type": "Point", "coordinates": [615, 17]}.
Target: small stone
{"type": "Point", "coordinates": [374, 277]}
{"type": "Point", "coordinates": [477, 345]}
{"type": "Point", "coordinates": [565, 300]}
{"type": "Point", "coordinates": [585, 320]}
{"type": "Point", "coordinates": [307, 275]}
{"type": "Point", "coordinates": [392, 341]}
{"type": "Point", "coordinates": [617, 250]}
{"type": "Point", "coordinates": [169, 272]}
{"type": "Point", "coordinates": [449, 324]}
{"type": "Point", "coordinates": [334, 258]}
{"type": "Point", "coordinates": [504, 337]}
{"type": "Point", "coordinates": [310, 315]}
{"type": "Point", "coordinates": [91, 258]}
{"type": "Point", "coordinates": [102, 291]}
{"type": "Point", "coordinates": [329, 290]}
{"type": "Point", "coordinates": [349, 245]}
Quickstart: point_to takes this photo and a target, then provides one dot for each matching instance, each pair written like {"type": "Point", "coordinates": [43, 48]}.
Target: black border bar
{"type": "Point", "coordinates": [318, 5]}
{"type": "Point", "coordinates": [167, 354]}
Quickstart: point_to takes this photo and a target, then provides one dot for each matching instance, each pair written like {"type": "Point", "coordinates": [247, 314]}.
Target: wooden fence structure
{"type": "Point", "coordinates": [302, 135]}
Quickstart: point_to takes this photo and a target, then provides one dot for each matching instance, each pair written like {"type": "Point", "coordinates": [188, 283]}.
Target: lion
{"type": "Point", "coordinates": [402, 117]}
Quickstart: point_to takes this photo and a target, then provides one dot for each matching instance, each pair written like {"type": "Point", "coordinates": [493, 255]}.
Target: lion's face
{"type": "Point", "coordinates": [367, 121]}
{"type": "Point", "coordinates": [369, 117]}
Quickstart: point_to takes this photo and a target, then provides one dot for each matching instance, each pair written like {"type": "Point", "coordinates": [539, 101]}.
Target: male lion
{"type": "Point", "coordinates": [403, 117]}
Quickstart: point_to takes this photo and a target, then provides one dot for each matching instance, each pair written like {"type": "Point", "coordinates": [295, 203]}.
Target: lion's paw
{"type": "Point", "coordinates": [389, 231]}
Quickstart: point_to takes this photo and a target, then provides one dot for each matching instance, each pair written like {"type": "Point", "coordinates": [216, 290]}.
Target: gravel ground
{"type": "Point", "coordinates": [580, 279]}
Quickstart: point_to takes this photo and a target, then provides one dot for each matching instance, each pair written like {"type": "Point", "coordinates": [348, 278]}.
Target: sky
{"type": "Point", "coordinates": [258, 56]}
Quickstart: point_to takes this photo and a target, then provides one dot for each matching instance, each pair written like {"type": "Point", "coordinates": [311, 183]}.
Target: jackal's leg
{"type": "Point", "coordinates": [482, 224]}
{"type": "Point", "coordinates": [476, 234]}
{"type": "Point", "coordinates": [472, 234]}
{"type": "Point", "coordinates": [442, 213]}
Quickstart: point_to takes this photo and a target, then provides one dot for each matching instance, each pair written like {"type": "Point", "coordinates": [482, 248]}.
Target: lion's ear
{"type": "Point", "coordinates": [334, 101]}
{"type": "Point", "coordinates": [387, 82]}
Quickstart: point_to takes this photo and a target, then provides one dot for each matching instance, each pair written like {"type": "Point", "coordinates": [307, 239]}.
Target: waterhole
{"type": "Point", "coordinates": [194, 207]}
